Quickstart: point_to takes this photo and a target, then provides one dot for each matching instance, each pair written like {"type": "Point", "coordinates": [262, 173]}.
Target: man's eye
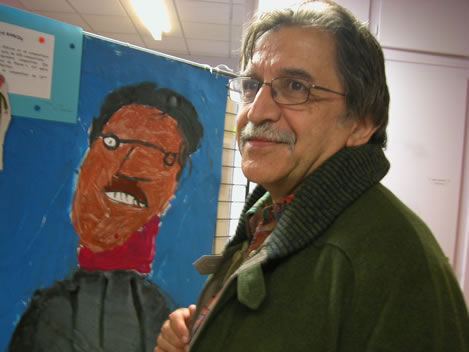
{"type": "Point", "coordinates": [295, 85]}
{"type": "Point", "coordinates": [250, 86]}
{"type": "Point", "coordinates": [249, 90]}
{"type": "Point", "coordinates": [110, 142]}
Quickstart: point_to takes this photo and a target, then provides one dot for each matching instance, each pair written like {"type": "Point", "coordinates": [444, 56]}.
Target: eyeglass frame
{"type": "Point", "coordinates": [169, 159]}
{"type": "Point", "coordinates": [260, 84]}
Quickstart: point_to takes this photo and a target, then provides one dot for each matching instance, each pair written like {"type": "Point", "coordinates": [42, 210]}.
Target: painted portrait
{"type": "Point", "coordinates": [138, 147]}
{"type": "Point", "coordinates": [126, 199]}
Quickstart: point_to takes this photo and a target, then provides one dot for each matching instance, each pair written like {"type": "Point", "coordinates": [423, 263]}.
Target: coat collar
{"type": "Point", "coordinates": [321, 198]}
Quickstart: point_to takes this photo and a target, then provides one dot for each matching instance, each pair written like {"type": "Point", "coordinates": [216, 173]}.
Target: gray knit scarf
{"type": "Point", "coordinates": [321, 198]}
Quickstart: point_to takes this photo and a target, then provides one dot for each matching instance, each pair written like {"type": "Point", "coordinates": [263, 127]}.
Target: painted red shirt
{"type": "Point", "coordinates": [135, 254]}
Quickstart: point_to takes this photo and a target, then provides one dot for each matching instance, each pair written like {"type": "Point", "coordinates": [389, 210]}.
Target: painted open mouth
{"type": "Point", "coordinates": [126, 191]}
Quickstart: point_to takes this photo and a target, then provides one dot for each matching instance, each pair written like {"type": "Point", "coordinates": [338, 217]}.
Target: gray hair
{"type": "Point", "coordinates": [360, 59]}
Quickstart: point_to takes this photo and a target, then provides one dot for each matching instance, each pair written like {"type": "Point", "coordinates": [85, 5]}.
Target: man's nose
{"type": "Point", "coordinates": [264, 107]}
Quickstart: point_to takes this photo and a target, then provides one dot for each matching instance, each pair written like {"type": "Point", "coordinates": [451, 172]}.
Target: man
{"type": "Point", "coordinates": [325, 258]}
{"type": "Point", "coordinates": [139, 146]}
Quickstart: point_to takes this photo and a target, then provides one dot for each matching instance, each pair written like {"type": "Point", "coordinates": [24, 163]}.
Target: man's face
{"type": "Point", "coordinates": [128, 176]}
{"type": "Point", "coordinates": [314, 128]}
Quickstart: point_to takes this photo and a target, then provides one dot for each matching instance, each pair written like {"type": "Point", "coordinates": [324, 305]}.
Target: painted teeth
{"type": "Point", "coordinates": [124, 198]}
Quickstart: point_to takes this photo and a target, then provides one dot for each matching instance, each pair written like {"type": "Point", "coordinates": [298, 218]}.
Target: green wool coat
{"type": "Point", "coordinates": [348, 268]}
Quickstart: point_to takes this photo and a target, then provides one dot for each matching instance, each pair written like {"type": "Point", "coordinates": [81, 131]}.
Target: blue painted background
{"type": "Point", "coordinates": [41, 164]}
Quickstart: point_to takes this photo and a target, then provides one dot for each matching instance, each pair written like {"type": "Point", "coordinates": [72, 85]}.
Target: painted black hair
{"type": "Point", "coordinates": [165, 100]}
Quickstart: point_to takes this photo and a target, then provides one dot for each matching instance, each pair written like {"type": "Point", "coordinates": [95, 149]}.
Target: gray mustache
{"type": "Point", "coordinates": [266, 130]}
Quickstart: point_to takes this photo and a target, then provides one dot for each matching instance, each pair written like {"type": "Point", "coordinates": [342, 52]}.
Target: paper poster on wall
{"type": "Point", "coordinates": [112, 211]}
{"type": "Point", "coordinates": [41, 59]}
{"type": "Point", "coordinates": [26, 60]}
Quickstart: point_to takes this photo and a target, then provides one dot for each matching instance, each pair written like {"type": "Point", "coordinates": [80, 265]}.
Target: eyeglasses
{"type": "Point", "coordinates": [112, 142]}
{"type": "Point", "coordinates": [285, 90]}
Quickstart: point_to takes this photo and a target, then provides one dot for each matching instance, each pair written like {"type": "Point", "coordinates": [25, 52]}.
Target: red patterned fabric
{"type": "Point", "coordinates": [263, 222]}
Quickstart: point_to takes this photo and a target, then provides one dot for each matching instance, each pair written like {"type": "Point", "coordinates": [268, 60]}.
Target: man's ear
{"type": "Point", "coordinates": [361, 132]}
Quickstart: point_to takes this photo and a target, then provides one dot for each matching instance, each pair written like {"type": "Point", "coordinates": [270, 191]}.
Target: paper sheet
{"type": "Point", "coordinates": [26, 60]}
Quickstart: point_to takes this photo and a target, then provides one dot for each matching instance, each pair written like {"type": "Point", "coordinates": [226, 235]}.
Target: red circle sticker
{"type": "Point", "coordinates": [41, 40]}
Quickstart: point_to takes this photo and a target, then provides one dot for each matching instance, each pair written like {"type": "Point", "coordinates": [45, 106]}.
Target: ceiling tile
{"type": "Point", "coordinates": [206, 31]}
{"type": "Point", "coordinates": [213, 61]}
{"type": "Point", "coordinates": [70, 18]}
{"type": "Point", "coordinates": [198, 11]}
{"type": "Point", "coordinates": [228, 1]}
{"type": "Point", "coordinates": [235, 51]}
{"type": "Point", "coordinates": [167, 45]}
{"type": "Point", "coordinates": [172, 13]}
{"type": "Point", "coordinates": [14, 3]}
{"type": "Point", "coordinates": [208, 47]}
{"type": "Point", "coordinates": [140, 27]}
{"type": "Point", "coordinates": [239, 15]}
{"type": "Point", "coordinates": [125, 38]}
{"type": "Point", "coordinates": [98, 7]}
{"type": "Point", "coordinates": [117, 24]}
{"type": "Point", "coordinates": [236, 36]}
{"type": "Point", "coordinates": [205, 23]}
{"type": "Point", "coordinates": [47, 5]}
{"type": "Point", "coordinates": [128, 7]}
{"type": "Point", "coordinates": [236, 33]}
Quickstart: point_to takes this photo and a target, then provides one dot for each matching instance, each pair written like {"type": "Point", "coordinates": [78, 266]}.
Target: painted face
{"type": "Point", "coordinates": [128, 176]}
{"type": "Point", "coordinates": [286, 143]}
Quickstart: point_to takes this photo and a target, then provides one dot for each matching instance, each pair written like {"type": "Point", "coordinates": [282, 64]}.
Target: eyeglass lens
{"type": "Point", "coordinates": [284, 90]}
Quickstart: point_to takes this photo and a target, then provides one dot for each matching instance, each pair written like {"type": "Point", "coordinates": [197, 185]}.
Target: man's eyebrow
{"type": "Point", "coordinates": [296, 73]}
{"type": "Point", "coordinates": [285, 72]}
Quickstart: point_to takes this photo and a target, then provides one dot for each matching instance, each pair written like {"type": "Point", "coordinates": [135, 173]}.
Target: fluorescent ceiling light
{"type": "Point", "coordinates": [154, 15]}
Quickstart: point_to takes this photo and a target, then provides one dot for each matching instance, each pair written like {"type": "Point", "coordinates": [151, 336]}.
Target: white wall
{"type": "Point", "coordinates": [426, 140]}
{"type": "Point", "coordinates": [427, 63]}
